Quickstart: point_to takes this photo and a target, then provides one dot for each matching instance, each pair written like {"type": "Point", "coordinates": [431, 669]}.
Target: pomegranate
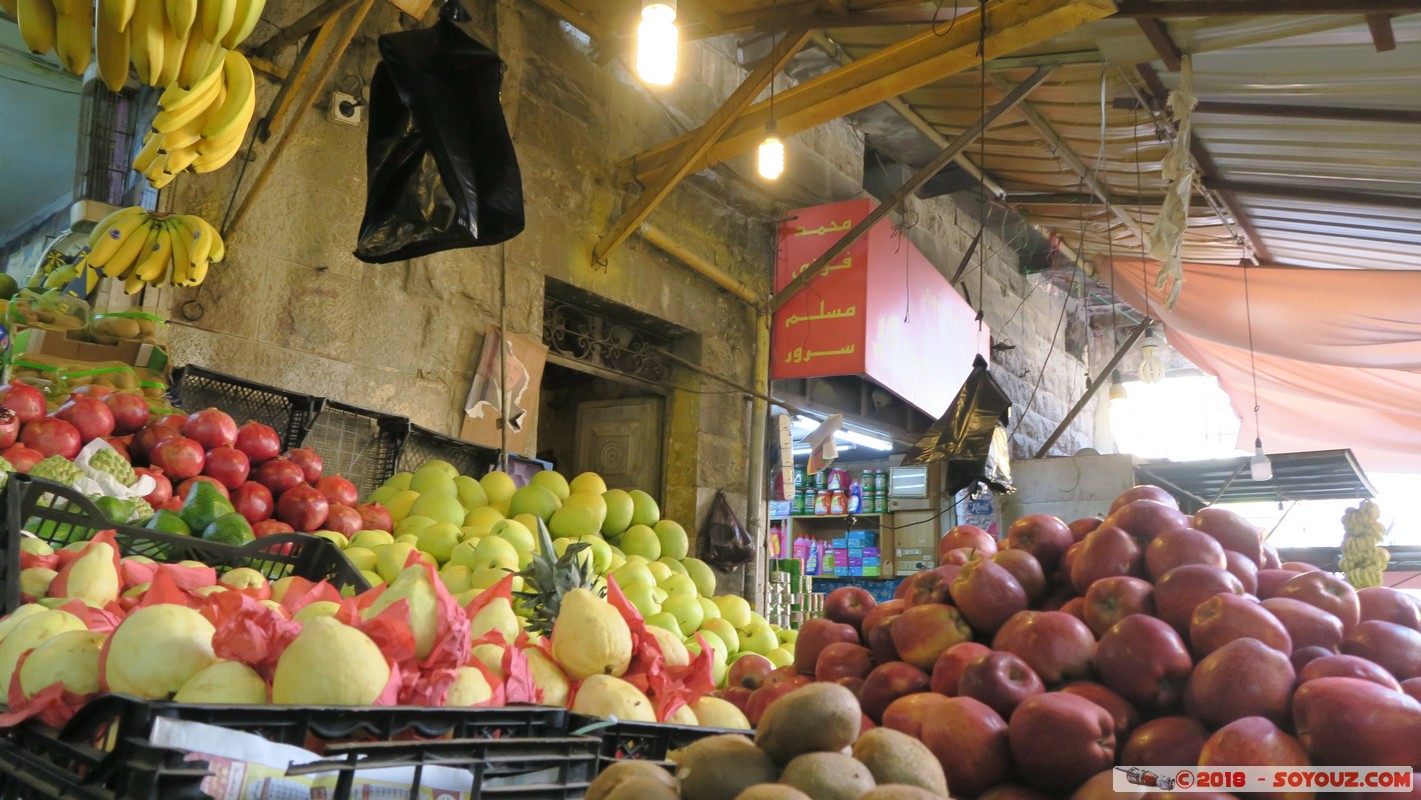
{"type": "Point", "coordinates": [303, 508]}
{"type": "Point", "coordinates": [9, 427]}
{"type": "Point", "coordinates": [228, 465]}
{"type": "Point", "coordinates": [308, 461]}
{"type": "Point", "coordinates": [375, 517]}
{"type": "Point", "coordinates": [130, 412]}
{"type": "Point", "coordinates": [343, 519]}
{"type": "Point", "coordinates": [22, 458]}
{"type": "Point", "coordinates": [260, 442]}
{"type": "Point", "coordinates": [23, 399]}
{"type": "Point", "coordinates": [279, 476]}
{"type": "Point", "coordinates": [120, 446]}
{"type": "Point", "coordinates": [174, 504]}
{"type": "Point", "coordinates": [253, 501]}
{"type": "Point", "coordinates": [179, 457]}
{"type": "Point", "coordinates": [145, 440]}
{"type": "Point", "coordinates": [186, 486]}
{"type": "Point", "coordinates": [163, 489]}
{"type": "Point", "coordinates": [211, 428]}
{"type": "Point", "coordinates": [92, 390]}
{"type": "Point", "coordinates": [89, 415]}
{"type": "Point", "coordinates": [338, 490]}
{"type": "Point", "coordinates": [173, 421]}
{"type": "Point", "coordinates": [52, 437]}
{"type": "Point", "coordinates": [267, 527]}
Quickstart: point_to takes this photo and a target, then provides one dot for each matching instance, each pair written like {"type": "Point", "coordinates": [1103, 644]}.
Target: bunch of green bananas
{"type": "Point", "coordinates": [1363, 559]}
{"type": "Point", "coordinates": [200, 128]}
{"type": "Point", "coordinates": [166, 41]}
{"type": "Point", "coordinates": [146, 249]}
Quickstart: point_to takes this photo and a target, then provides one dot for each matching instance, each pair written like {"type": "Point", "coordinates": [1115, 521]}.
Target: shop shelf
{"type": "Point", "coordinates": [60, 515]}
{"type": "Point", "coordinates": [422, 444]}
{"type": "Point", "coordinates": [360, 444]}
{"type": "Point", "coordinates": [290, 413]}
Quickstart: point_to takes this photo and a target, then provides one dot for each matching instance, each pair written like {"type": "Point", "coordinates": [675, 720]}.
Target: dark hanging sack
{"type": "Point", "coordinates": [971, 436]}
{"type": "Point", "coordinates": [724, 542]}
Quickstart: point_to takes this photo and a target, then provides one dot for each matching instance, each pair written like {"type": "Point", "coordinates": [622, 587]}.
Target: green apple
{"type": "Point", "coordinates": [718, 668]}
{"type": "Point", "coordinates": [438, 540]}
{"type": "Point", "coordinates": [412, 524]}
{"type": "Point", "coordinates": [534, 499]}
{"type": "Point", "coordinates": [674, 541]}
{"type": "Point", "coordinates": [723, 631]}
{"type": "Point", "coordinates": [660, 594]}
{"type": "Point", "coordinates": [735, 610]}
{"type": "Point", "coordinates": [679, 584]}
{"type": "Point", "coordinates": [552, 481]}
{"type": "Point", "coordinates": [666, 621]}
{"type": "Point", "coordinates": [601, 553]}
{"type": "Point", "coordinates": [334, 537]}
{"type": "Point", "coordinates": [400, 481]}
{"type": "Point", "coordinates": [499, 488]}
{"type": "Point", "coordinates": [659, 571]}
{"type": "Point", "coordinates": [470, 492]}
{"type": "Point", "coordinates": [619, 512]}
{"type": "Point", "coordinates": [383, 494]}
{"type": "Point", "coordinates": [474, 532]}
{"type": "Point", "coordinates": [645, 511]}
{"type": "Point", "coordinates": [781, 657]}
{"type": "Point", "coordinates": [588, 482]}
{"type": "Point", "coordinates": [709, 610]}
{"type": "Point", "coordinates": [574, 521]}
{"type": "Point", "coordinates": [758, 639]}
{"type": "Point", "coordinates": [495, 552]}
{"type": "Point", "coordinates": [687, 610]}
{"type": "Point", "coordinates": [618, 560]}
{"type": "Point", "coordinates": [714, 642]}
{"type": "Point", "coordinates": [787, 635]}
{"type": "Point", "coordinates": [702, 574]}
{"type": "Point", "coordinates": [408, 538]}
{"type": "Point", "coordinates": [463, 553]}
{"type": "Point", "coordinates": [457, 578]}
{"type": "Point", "coordinates": [359, 557]}
{"type": "Point", "coordinates": [435, 477]}
{"type": "Point", "coordinates": [756, 620]}
{"type": "Point", "coordinates": [515, 533]}
{"type": "Point", "coordinates": [484, 515]}
{"type": "Point", "coordinates": [673, 565]}
{"type": "Point", "coordinates": [484, 577]}
{"type": "Point", "coordinates": [439, 507]}
{"type": "Point", "coordinates": [640, 540]}
{"type": "Point", "coordinates": [631, 575]}
{"type": "Point", "coordinates": [640, 596]}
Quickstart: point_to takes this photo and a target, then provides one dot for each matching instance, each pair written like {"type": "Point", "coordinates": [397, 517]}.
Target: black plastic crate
{"type": "Point", "coordinates": [423, 444]}
{"type": "Point", "coordinates": [60, 515]}
{"type": "Point", "coordinates": [290, 413]}
{"type": "Point", "coordinates": [641, 741]}
{"type": "Point", "coordinates": [360, 444]}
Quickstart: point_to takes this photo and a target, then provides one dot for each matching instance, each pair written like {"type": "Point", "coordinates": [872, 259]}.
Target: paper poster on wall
{"type": "Point", "coordinates": [525, 359]}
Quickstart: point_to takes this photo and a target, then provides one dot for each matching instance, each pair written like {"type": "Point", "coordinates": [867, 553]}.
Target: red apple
{"type": "Point", "coordinates": [1329, 593]}
{"type": "Point", "coordinates": [1059, 740]}
{"type": "Point", "coordinates": [1146, 519]}
{"type": "Point", "coordinates": [1244, 678]}
{"type": "Point", "coordinates": [970, 537]}
{"type": "Point", "coordinates": [786, 674]}
{"type": "Point", "coordinates": [1270, 557]}
{"type": "Point", "coordinates": [1112, 599]}
{"type": "Point", "coordinates": [888, 682]}
{"type": "Point", "coordinates": [1179, 547]}
{"type": "Point", "coordinates": [815, 635]}
{"type": "Point", "coordinates": [907, 714]}
{"type": "Point", "coordinates": [761, 698]}
{"type": "Point", "coordinates": [1057, 599]}
{"type": "Point", "coordinates": [932, 586]}
{"type": "Point", "coordinates": [855, 685]}
{"type": "Point", "coordinates": [1145, 661]}
{"type": "Point", "coordinates": [1412, 687]}
{"type": "Point", "coordinates": [1300, 566]}
{"type": "Point", "coordinates": [1125, 716]}
{"type": "Point", "coordinates": [947, 672]}
{"type": "Point", "coordinates": [1302, 656]}
{"type": "Point", "coordinates": [749, 671]}
{"type": "Point", "coordinates": [849, 605]}
{"type": "Point", "coordinates": [1389, 605]}
{"type": "Point", "coordinates": [1075, 607]}
{"type": "Point", "coordinates": [1271, 581]}
{"type": "Point", "coordinates": [1166, 741]}
{"type": "Point", "coordinates": [972, 743]}
{"type": "Point", "coordinates": [1308, 625]}
{"type": "Point", "coordinates": [1055, 644]}
{"type": "Point", "coordinates": [843, 660]}
{"type": "Point", "coordinates": [1183, 588]}
{"type": "Point", "coordinates": [880, 641]}
{"type": "Point", "coordinates": [1350, 721]}
{"type": "Point", "coordinates": [959, 556]}
{"type": "Point", "coordinates": [1001, 680]}
{"type": "Point", "coordinates": [1341, 666]}
{"type": "Point", "coordinates": [1063, 575]}
{"type": "Point", "coordinates": [1144, 492]}
{"type": "Point", "coordinates": [1255, 742]}
{"type": "Point", "coordinates": [1042, 535]}
{"type": "Point", "coordinates": [1232, 530]}
{"type": "Point", "coordinates": [1396, 648]}
{"type": "Point", "coordinates": [1106, 551]}
{"type": "Point", "coordinates": [922, 633]}
{"type": "Point", "coordinates": [881, 612]}
{"type": "Point", "coordinates": [1084, 525]}
{"type": "Point", "coordinates": [1027, 570]}
{"type": "Point", "coordinates": [1225, 617]}
{"type": "Point", "coordinates": [1242, 568]}
{"type": "Point", "coordinates": [987, 595]}
{"type": "Point", "coordinates": [737, 696]}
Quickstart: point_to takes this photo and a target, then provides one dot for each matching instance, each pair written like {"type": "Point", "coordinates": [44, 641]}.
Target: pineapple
{"type": "Point", "coordinates": [111, 462]}
{"type": "Point", "coordinates": [546, 581]}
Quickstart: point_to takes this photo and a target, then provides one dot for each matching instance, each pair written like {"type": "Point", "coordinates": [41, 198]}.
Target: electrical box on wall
{"type": "Point", "coordinates": [346, 109]}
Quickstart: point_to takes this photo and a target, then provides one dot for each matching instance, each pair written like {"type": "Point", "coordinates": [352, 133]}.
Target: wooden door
{"type": "Point", "coordinates": [621, 441]}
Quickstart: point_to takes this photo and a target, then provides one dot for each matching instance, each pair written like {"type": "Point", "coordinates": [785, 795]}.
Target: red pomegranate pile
{"type": "Point", "coordinates": [1033, 666]}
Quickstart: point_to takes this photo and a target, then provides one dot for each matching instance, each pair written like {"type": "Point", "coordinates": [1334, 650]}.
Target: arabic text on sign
{"type": "Point", "coordinates": [838, 313]}
{"type": "Point", "coordinates": [800, 355]}
{"type": "Point", "coordinates": [823, 229]}
{"type": "Point", "coordinates": [847, 263]}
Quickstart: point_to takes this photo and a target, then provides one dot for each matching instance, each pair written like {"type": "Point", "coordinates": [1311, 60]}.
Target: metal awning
{"type": "Point", "coordinates": [1320, 475]}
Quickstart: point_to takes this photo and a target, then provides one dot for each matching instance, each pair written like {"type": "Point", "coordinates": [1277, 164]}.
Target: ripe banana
{"type": "Point", "coordinates": [156, 264]}
{"type": "Point", "coordinates": [181, 14]}
{"type": "Point", "coordinates": [173, 47]}
{"type": "Point", "coordinates": [200, 59]}
{"type": "Point", "coordinates": [216, 17]}
{"type": "Point", "coordinates": [178, 107]}
{"type": "Point", "coordinates": [146, 34]}
{"type": "Point", "coordinates": [248, 14]}
{"type": "Point", "coordinates": [236, 111]}
{"type": "Point", "coordinates": [1363, 558]}
{"type": "Point", "coordinates": [11, 8]}
{"type": "Point", "coordinates": [131, 248]}
{"type": "Point", "coordinates": [37, 21]}
{"type": "Point", "coordinates": [119, 12]}
{"type": "Point", "coordinates": [111, 233]}
{"type": "Point", "coordinates": [112, 53]}
{"type": "Point", "coordinates": [182, 246]}
{"type": "Point", "coordinates": [74, 38]}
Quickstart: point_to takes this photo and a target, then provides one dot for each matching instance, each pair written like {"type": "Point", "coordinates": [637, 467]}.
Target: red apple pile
{"type": "Point", "coordinates": [1148, 638]}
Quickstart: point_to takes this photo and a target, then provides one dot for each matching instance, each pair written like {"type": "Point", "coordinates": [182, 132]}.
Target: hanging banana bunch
{"type": "Point", "coordinates": [200, 128]}
{"type": "Point", "coordinates": [143, 249]}
{"type": "Point", "coordinates": [1363, 559]}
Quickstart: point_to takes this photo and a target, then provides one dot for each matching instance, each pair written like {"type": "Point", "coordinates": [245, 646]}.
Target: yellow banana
{"type": "Point", "coordinates": [200, 59]}
{"type": "Point", "coordinates": [105, 224]}
{"type": "Point", "coordinates": [11, 8]}
{"type": "Point", "coordinates": [178, 160]}
{"type": "Point", "coordinates": [241, 100]}
{"type": "Point", "coordinates": [215, 160]}
{"type": "Point", "coordinates": [200, 248]}
{"type": "Point", "coordinates": [63, 7]}
{"type": "Point", "coordinates": [37, 24]}
{"type": "Point", "coordinates": [114, 239]}
{"type": "Point", "coordinates": [74, 38]}
{"type": "Point", "coordinates": [215, 18]}
{"type": "Point", "coordinates": [173, 47]}
{"type": "Point", "coordinates": [133, 284]}
{"type": "Point", "coordinates": [182, 245]}
{"type": "Point", "coordinates": [181, 14]}
{"type": "Point", "coordinates": [185, 137]}
{"type": "Point", "coordinates": [146, 34]}
{"type": "Point", "coordinates": [248, 14]}
{"type": "Point", "coordinates": [198, 273]}
{"type": "Point", "coordinates": [152, 149]}
{"type": "Point", "coordinates": [219, 247]}
{"type": "Point", "coordinates": [179, 106]}
{"type": "Point", "coordinates": [180, 274]}
{"type": "Point", "coordinates": [133, 247]}
{"type": "Point", "coordinates": [91, 278]}
{"type": "Point", "coordinates": [156, 264]}
{"type": "Point", "coordinates": [112, 53]}
{"type": "Point", "coordinates": [119, 13]}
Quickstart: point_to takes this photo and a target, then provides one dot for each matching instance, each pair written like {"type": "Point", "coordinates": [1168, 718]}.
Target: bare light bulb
{"type": "Point", "coordinates": [771, 156]}
{"type": "Point", "coordinates": [657, 40]}
{"type": "Point", "coordinates": [1259, 467]}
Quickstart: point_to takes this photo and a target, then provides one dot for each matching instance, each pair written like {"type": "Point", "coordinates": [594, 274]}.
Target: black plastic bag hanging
{"type": "Point", "coordinates": [723, 541]}
{"type": "Point", "coordinates": [971, 436]}
{"type": "Point", "coordinates": [442, 171]}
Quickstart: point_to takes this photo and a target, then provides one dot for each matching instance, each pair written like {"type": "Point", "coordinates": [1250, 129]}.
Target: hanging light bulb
{"type": "Point", "coordinates": [1152, 367]}
{"type": "Point", "coordinates": [1117, 387]}
{"type": "Point", "coordinates": [771, 160]}
{"type": "Point", "coordinates": [657, 39]}
{"type": "Point", "coordinates": [1259, 466]}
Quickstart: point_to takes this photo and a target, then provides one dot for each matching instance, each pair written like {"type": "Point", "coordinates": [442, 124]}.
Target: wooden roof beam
{"type": "Point", "coordinates": [889, 72]}
{"type": "Point", "coordinates": [1262, 8]}
{"type": "Point", "coordinates": [1154, 30]}
{"type": "Point", "coordinates": [698, 144]}
{"type": "Point", "coordinates": [1383, 37]}
{"type": "Point", "coordinates": [1290, 111]}
{"type": "Point", "coordinates": [312, 21]}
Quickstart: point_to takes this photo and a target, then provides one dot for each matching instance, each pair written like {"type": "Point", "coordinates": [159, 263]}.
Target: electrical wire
{"type": "Point", "coordinates": [1252, 364]}
{"type": "Point", "coordinates": [951, 23]}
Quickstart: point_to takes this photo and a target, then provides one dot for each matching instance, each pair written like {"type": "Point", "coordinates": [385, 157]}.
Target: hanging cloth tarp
{"type": "Point", "coordinates": [442, 171]}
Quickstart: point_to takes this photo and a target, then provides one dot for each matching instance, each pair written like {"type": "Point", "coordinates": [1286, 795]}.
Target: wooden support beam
{"type": "Point", "coordinates": [269, 69]}
{"type": "Point", "coordinates": [1168, 52]}
{"type": "Point", "coordinates": [1383, 37]}
{"type": "Point", "coordinates": [861, 19]}
{"type": "Point", "coordinates": [890, 72]}
{"type": "Point", "coordinates": [1089, 178]}
{"type": "Point", "coordinates": [699, 143]}
{"type": "Point", "coordinates": [909, 187]}
{"type": "Point", "coordinates": [313, 20]}
{"type": "Point", "coordinates": [1262, 8]}
{"type": "Point", "coordinates": [789, 15]}
{"type": "Point", "coordinates": [1279, 110]}
{"type": "Point", "coordinates": [1345, 196]}
{"type": "Point", "coordinates": [295, 80]}
{"type": "Point", "coordinates": [1101, 379]}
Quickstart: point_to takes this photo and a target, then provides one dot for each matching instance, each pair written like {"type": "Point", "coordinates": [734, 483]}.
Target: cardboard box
{"type": "Point", "coordinates": [63, 345]}
{"type": "Point", "coordinates": [482, 413]}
